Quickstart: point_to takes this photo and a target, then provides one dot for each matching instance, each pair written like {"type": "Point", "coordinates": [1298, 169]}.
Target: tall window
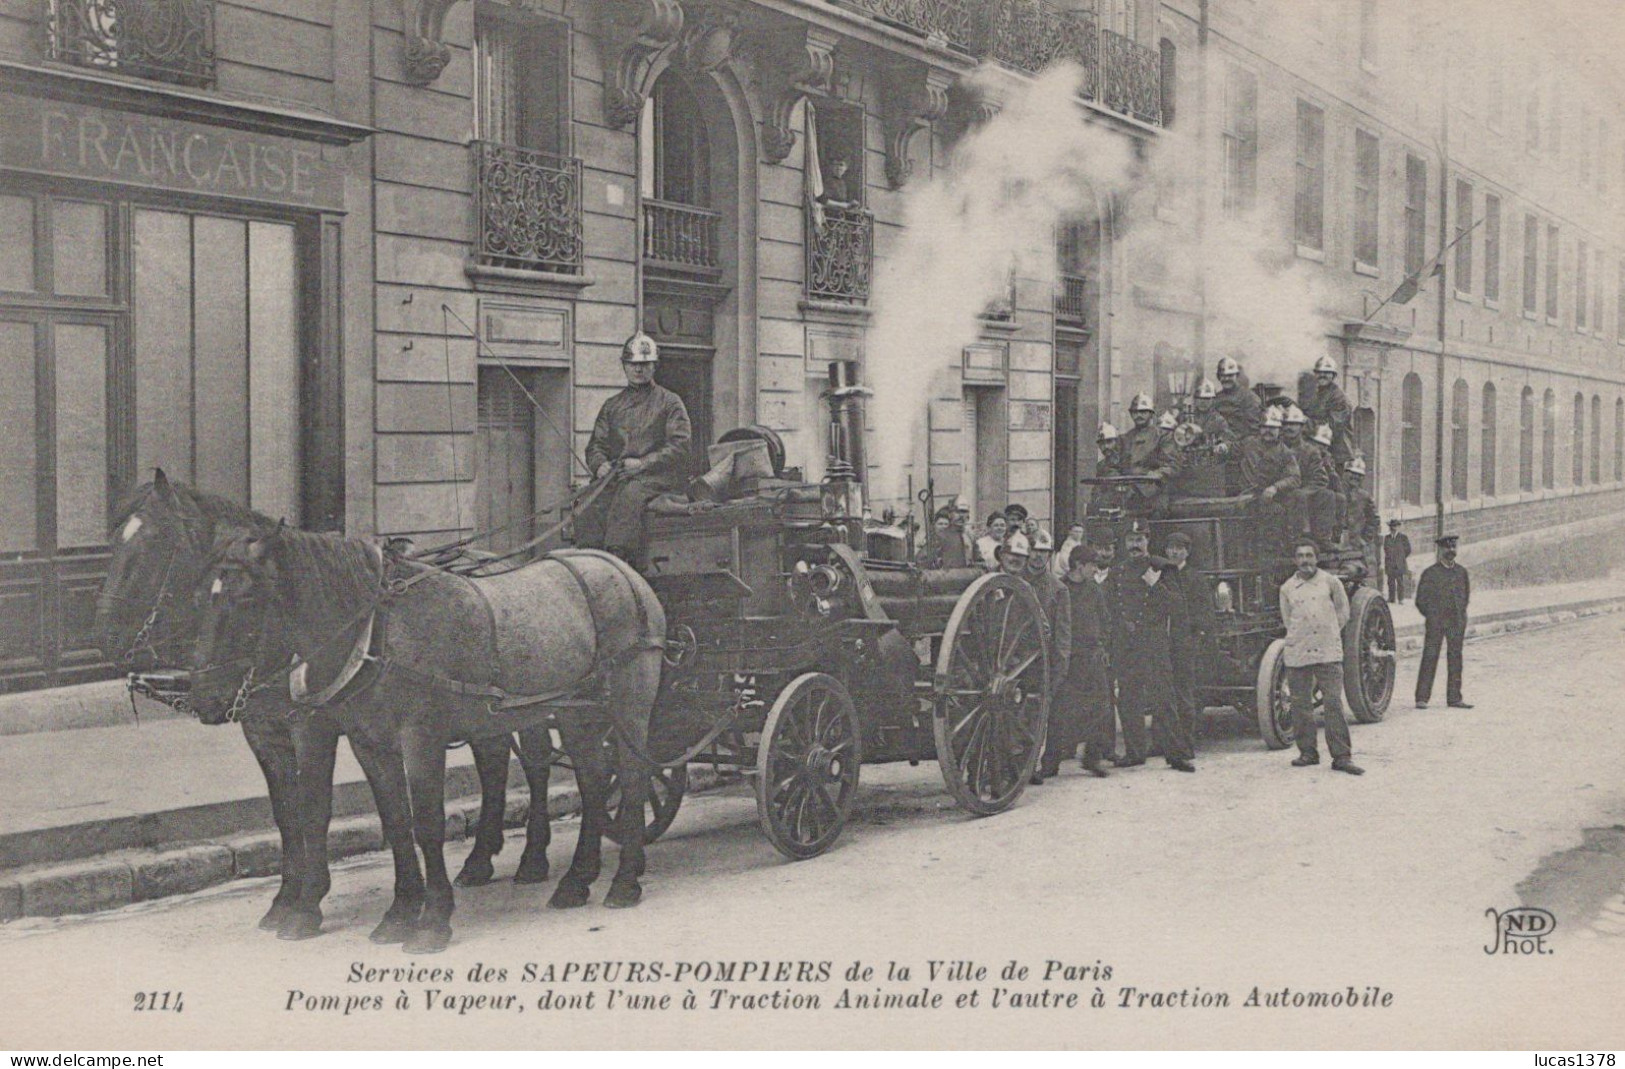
{"type": "Point", "coordinates": [1577, 458]}
{"type": "Point", "coordinates": [1526, 439]}
{"type": "Point", "coordinates": [1410, 440]}
{"type": "Point", "coordinates": [1464, 236]}
{"type": "Point", "coordinates": [1596, 292]}
{"type": "Point", "coordinates": [1548, 440]}
{"type": "Point", "coordinates": [1619, 439]}
{"type": "Point", "coordinates": [1240, 142]}
{"type": "Point", "coordinates": [1552, 248]}
{"type": "Point", "coordinates": [1367, 169]}
{"type": "Point", "coordinates": [1310, 211]}
{"type": "Point", "coordinates": [675, 163]}
{"type": "Point", "coordinates": [1488, 459]}
{"type": "Point", "coordinates": [1580, 276]}
{"type": "Point", "coordinates": [1531, 264]}
{"type": "Point", "coordinates": [1596, 439]}
{"type": "Point", "coordinates": [1416, 210]}
{"type": "Point", "coordinates": [1492, 247]}
{"type": "Point", "coordinates": [519, 75]}
{"type": "Point", "coordinates": [1368, 33]}
{"type": "Point", "coordinates": [1458, 439]}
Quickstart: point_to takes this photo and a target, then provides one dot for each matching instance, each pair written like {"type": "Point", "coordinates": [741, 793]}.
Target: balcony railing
{"type": "Point", "coordinates": [681, 237]}
{"type": "Point", "coordinates": [1131, 78]}
{"type": "Point", "coordinates": [527, 209]}
{"type": "Point", "coordinates": [165, 40]}
{"type": "Point", "coordinates": [953, 21]}
{"type": "Point", "coordinates": [1072, 301]}
{"type": "Point", "coordinates": [1030, 35]}
{"type": "Point", "coordinates": [840, 254]}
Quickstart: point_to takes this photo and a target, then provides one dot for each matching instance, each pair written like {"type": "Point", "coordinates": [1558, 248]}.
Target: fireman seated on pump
{"type": "Point", "coordinates": [638, 446]}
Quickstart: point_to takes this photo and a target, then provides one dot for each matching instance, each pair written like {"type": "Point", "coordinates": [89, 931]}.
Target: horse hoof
{"type": "Point", "coordinates": [568, 896]}
{"type": "Point", "coordinates": [297, 926]}
{"type": "Point", "coordinates": [272, 921]}
{"type": "Point", "coordinates": [428, 940]}
{"type": "Point", "coordinates": [623, 897]}
{"type": "Point", "coordinates": [531, 871]}
{"type": "Point", "coordinates": [391, 930]}
{"type": "Point", "coordinates": [475, 875]}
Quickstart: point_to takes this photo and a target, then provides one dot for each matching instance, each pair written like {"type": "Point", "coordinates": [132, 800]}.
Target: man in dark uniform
{"type": "Point", "coordinates": [1082, 711]}
{"type": "Point", "coordinates": [1147, 450]}
{"type": "Point", "coordinates": [1192, 630]}
{"type": "Point", "coordinates": [1330, 406]}
{"type": "Point", "coordinates": [639, 443]}
{"type": "Point", "coordinates": [1441, 598]}
{"type": "Point", "coordinates": [1313, 502]}
{"type": "Point", "coordinates": [1143, 607]}
{"type": "Point", "coordinates": [1054, 598]}
{"type": "Point", "coordinates": [1111, 455]}
{"type": "Point", "coordinates": [1362, 527]}
{"type": "Point", "coordinates": [1269, 474]}
{"type": "Point", "coordinates": [1238, 405]}
{"type": "Point", "coordinates": [1396, 562]}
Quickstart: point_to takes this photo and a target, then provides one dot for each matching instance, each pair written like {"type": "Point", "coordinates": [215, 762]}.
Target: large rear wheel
{"type": "Point", "coordinates": [1368, 656]}
{"type": "Point", "coordinates": [992, 694]}
{"type": "Point", "coordinates": [807, 766]}
{"type": "Point", "coordinates": [1272, 701]}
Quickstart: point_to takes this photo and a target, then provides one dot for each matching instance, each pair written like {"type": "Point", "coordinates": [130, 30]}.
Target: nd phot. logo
{"type": "Point", "coordinates": [1520, 930]}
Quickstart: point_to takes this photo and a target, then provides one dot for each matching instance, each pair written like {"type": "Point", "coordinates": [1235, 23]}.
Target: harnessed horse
{"type": "Point", "coordinates": [147, 616]}
{"type": "Point", "coordinates": [404, 657]}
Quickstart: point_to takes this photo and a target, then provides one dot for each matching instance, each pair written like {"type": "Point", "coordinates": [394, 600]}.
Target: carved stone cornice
{"type": "Point", "coordinates": [709, 39]}
{"type": "Point", "coordinates": [795, 63]}
{"type": "Point", "coordinates": [633, 35]}
{"type": "Point", "coordinates": [426, 54]}
{"type": "Point", "coordinates": [915, 97]}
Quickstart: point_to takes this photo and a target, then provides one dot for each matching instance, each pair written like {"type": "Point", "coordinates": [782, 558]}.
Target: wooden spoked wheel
{"type": "Point", "coordinates": [1368, 656]}
{"type": "Point", "coordinates": [807, 766]}
{"type": "Point", "coordinates": [666, 788]}
{"type": "Point", "coordinates": [992, 694]}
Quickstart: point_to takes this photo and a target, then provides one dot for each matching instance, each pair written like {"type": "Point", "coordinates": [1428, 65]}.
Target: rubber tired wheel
{"type": "Point", "coordinates": [1272, 701]}
{"type": "Point", "coordinates": [992, 686]}
{"type": "Point", "coordinates": [807, 766]}
{"type": "Point", "coordinates": [666, 788]}
{"type": "Point", "coordinates": [1368, 656]}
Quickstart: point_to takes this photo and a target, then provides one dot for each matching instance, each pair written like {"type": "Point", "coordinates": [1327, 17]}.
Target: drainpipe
{"type": "Point", "coordinates": [1202, 194]}
{"type": "Point", "coordinates": [1444, 296]}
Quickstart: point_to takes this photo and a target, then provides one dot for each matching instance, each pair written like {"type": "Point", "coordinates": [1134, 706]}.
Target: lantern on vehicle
{"type": "Point", "coordinates": [1224, 599]}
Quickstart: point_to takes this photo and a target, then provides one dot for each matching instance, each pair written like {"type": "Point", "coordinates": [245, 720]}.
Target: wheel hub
{"type": "Point", "coordinates": [822, 764]}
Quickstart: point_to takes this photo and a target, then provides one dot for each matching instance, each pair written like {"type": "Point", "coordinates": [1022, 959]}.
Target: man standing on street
{"type": "Point", "coordinates": [1396, 556]}
{"type": "Point", "coordinates": [1193, 624]}
{"type": "Point", "coordinates": [1082, 710]}
{"type": "Point", "coordinates": [1314, 608]}
{"type": "Point", "coordinates": [1441, 598]}
{"type": "Point", "coordinates": [1143, 607]}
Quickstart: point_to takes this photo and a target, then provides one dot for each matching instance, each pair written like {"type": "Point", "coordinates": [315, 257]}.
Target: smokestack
{"type": "Point", "coordinates": [845, 468]}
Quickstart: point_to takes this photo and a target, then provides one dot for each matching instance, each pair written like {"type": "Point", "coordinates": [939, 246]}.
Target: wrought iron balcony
{"type": "Point", "coordinates": [1131, 78]}
{"type": "Point", "coordinates": [165, 40]}
{"type": "Point", "coordinates": [681, 237]}
{"type": "Point", "coordinates": [527, 207]}
{"type": "Point", "coordinates": [840, 254]}
{"type": "Point", "coordinates": [1072, 302]}
{"type": "Point", "coordinates": [1029, 35]}
{"type": "Point", "coordinates": [952, 21]}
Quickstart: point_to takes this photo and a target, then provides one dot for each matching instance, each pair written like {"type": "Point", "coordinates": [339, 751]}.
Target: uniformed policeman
{"type": "Point", "coordinates": [1082, 710]}
{"type": "Point", "coordinates": [1143, 607]}
{"type": "Point", "coordinates": [1239, 406]}
{"type": "Point", "coordinates": [1269, 475]}
{"type": "Point", "coordinates": [1441, 598]}
{"type": "Point", "coordinates": [638, 443]}
{"type": "Point", "coordinates": [1147, 450]}
{"type": "Point", "coordinates": [1330, 406]}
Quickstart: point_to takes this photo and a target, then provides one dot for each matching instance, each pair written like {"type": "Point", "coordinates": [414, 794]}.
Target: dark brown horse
{"type": "Point", "coordinates": [405, 657]}
{"type": "Point", "coordinates": [147, 617]}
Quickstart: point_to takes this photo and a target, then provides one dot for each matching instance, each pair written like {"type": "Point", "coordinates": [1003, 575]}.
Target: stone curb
{"type": "Point", "coordinates": [1409, 638]}
{"type": "Point", "coordinates": [119, 879]}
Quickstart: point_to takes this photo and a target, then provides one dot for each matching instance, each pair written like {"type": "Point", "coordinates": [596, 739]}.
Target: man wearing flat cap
{"type": "Point", "coordinates": [1441, 598]}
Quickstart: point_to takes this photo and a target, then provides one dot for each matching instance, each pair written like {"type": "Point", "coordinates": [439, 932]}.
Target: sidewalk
{"type": "Point", "coordinates": [99, 817]}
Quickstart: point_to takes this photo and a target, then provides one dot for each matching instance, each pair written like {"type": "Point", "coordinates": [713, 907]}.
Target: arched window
{"type": "Point", "coordinates": [1619, 437]}
{"type": "Point", "coordinates": [1548, 440]}
{"type": "Point", "coordinates": [1526, 439]}
{"type": "Point", "coordinates": [1410, 440]}
{"type": "Point", "coordinates": [1488, 459]}
{"type": "Point", "coordinates": [1577, 461]}
{"type": "Point", "coordinates": [1458, 440]}
{"type": "Point", "coordinates": [675, 159]}
{"type": "Point", "coordinates": [1596, 439]}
